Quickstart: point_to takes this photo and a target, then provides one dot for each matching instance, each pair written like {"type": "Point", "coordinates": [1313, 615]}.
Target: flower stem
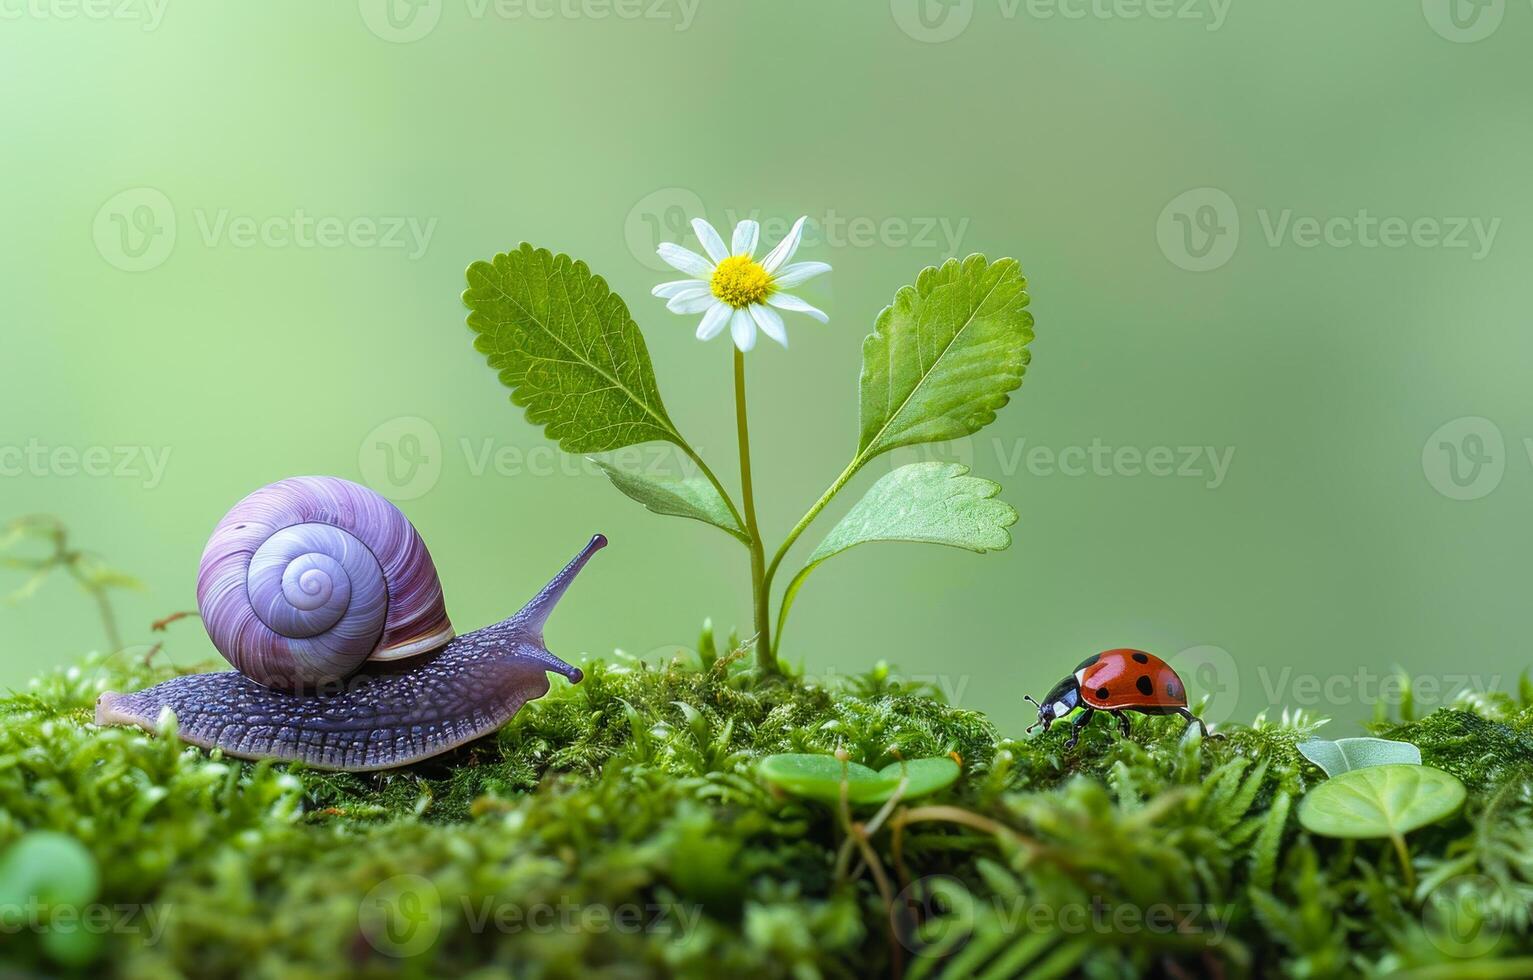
{"type": "Point", "coordinates": [804, 522]}
{"type": "Point", "coordinates": [760, 594]}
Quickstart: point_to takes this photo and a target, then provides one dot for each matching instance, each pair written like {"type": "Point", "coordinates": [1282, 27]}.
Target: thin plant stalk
{"type": "Point", "coordinates": [760, 586]}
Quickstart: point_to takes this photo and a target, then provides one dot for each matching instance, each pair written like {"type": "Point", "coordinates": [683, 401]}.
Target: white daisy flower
{"type": "Point", "coordinates": [733, 288]}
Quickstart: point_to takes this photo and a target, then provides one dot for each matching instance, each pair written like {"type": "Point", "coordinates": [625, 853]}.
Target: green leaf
{"type": "Point", "coordinates": [1347, 754]}
{"type": "Point", "coordinates": [819, 777]}
{"type": "Point", "coordinates": [48, 868]}
{"type": "Point", "coordinates": [678, 496]}
{"type": "Point", "coordinates": [923, 776]}
{"type": "Point", "coordinates": [943, 357]}
{"type": "Point", "coordinates": [930, 502]}
{"type": "Point", "coordinates": [567, 348]}
{"type": "Point", "coordinates": [1380, 801]}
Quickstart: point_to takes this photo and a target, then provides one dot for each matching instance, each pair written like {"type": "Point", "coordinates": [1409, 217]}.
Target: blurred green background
{"type": "Point", "coordinates": [1293, 236]}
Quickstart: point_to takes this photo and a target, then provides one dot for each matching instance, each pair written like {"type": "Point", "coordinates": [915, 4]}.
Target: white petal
{"type": "Point", "coordinates": [712, 243]}
{"type": "Point", "coordinates": [747, 234]}
{"type": "Point", "coordinates": [785, 248]}
{"type": "Point", "coordinates": [713, 321]}
{"type": "Point", "coordinates": [693, 302]}
{"type": "Point", "coordinates": [799, 273]}
{"type": "Point", "coordinates": [783, 301]}
{"type": "Point", "coordinates": [685, 260]}
{"type": "Point", "coordinates": [668, 289]}
{"type": "Point", "coordinates": [770, 322]}
{"type": "Point", "coordinates": [743, 328]}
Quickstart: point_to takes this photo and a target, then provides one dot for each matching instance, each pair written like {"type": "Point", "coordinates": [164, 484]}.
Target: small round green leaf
{"type": "Point", "coordinates": [818, 777]}
{"type": "Point", "coordinates": [926, 776]}
{"type": "Point", "coordinates": [1380, 801]}
{"type": "Point", "coordinates": [49, 868]}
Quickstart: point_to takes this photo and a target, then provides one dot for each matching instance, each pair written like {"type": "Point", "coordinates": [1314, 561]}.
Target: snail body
{"type": "Point", "coordinates": [325, 600]}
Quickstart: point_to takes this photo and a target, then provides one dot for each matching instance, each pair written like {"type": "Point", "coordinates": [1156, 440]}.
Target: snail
{"type": "Point", "coordinates": [324, 598]}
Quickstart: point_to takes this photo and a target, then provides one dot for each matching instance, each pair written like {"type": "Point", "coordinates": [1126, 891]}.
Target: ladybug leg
{"type": "Point", "coordinates": [1122, 723]}
{"type": "Point", "coordinates": [1075, 730]}
{"type": "Point", "coordinates": [1193, 719]}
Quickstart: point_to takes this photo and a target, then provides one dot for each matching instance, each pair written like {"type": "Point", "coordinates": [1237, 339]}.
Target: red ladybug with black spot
{"type": "Point", "coordinates": [1117, 681]}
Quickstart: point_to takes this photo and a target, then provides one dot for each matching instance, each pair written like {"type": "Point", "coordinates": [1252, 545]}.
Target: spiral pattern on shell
{"type": "Point", "coordinates": [308, 578]}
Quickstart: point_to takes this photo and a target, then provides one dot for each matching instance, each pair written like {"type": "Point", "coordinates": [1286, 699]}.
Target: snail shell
{"type": "Point", "coordinates": [307, 579]}
{"type": "Point", "coordinates": [348, 616]}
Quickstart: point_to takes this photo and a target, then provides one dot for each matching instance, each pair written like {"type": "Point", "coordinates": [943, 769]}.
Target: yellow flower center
{"type": "Point", "coordinates": [740, 281]}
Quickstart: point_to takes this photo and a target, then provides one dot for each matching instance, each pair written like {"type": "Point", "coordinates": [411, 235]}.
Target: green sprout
{"type": "Point", "coordinates": [94, 576]}
{"type": "Point", "coordinates": [942, 359]}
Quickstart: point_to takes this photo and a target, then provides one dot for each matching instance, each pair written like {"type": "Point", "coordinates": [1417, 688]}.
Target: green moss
{"type": "Point", "coordinates": [619, 827]}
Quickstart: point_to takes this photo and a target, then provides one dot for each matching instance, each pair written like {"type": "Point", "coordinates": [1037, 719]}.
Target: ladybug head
{"type": "Point", "coordinates": [1059, 702]}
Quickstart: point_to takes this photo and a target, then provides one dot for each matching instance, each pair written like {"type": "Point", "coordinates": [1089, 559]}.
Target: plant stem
{"type": "Point", "coordinates": [804, 522]}
{"type": "Point", "coordinates": [760, 586]}
{"type": "Point", "coordinates": [108, 620]}
{"type": "Point", "coordinates": [1405, 862]}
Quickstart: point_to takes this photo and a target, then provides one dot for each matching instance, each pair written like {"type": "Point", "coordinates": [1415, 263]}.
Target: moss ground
{"type": "Point", "coordinates": [619, 828]}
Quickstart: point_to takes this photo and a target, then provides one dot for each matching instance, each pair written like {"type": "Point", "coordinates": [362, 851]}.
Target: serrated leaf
{"type": "Point", "coordinates": [568, 349]}
{"type": "Point", "coordinates": [1380, 801]}
{"type": "Point", "coordinates": [931, 502]}
{"type": "Point", "coordinates": [1347, 754]}
{"type": "Point", "coordinates": [944, 355]}
{"type": "Point", "coordinates": [677, 496]}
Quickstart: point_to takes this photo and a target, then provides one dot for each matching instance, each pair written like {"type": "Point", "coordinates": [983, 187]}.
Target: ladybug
{"type": "Point", "coordinates": [1117, 681]}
